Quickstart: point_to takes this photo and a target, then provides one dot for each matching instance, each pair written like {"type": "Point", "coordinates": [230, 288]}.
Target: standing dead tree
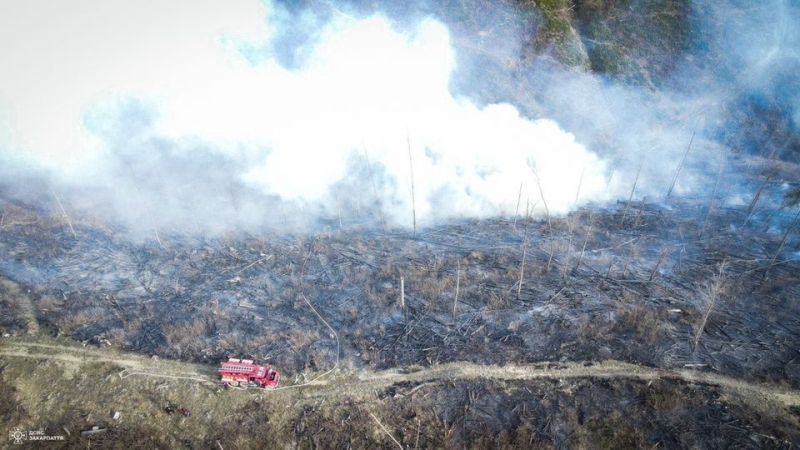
{"type": "Point", "coordinates": [661, 258]}
{"type": "Point", "coordinates": [551, 252]}
{"type": "Point", "coordinates": [713, 194]}
{"type": "Point", "coordinates": [580, 182]}
{"type": "Point", "coordinates": [413, 197]}
{"type": "Point", "coordinates": [403, 296]}
{"type": "Point", "coordinates": [522, 263]}
{"type": "Point", "coordinates": [568, 250]}
{"type": "Point", "coordinates": [630, 198]}
{"type": "Point", "coordinates": [516, 212]}
{"type": "Point", "coordinates": [375, 190]}
{"type": "Point", "coordinates": [458, 282]}
{"type": "Point", "coordinates": [709, 295]}
{"type": "Point", "coordinates": [532, 166]}
{"type": "Point", "coordinates": [783, 241]}
{"type": "Point", "coordinates": [752, 207]}
{"type": "Point", "coordinates": [64, 211]}
{"type": "Point", "coordinates": [633, 254]}
{"type": "Point", "coordinates": [586, 240]}
{"type": "Point", "coordinates": [680, 165]}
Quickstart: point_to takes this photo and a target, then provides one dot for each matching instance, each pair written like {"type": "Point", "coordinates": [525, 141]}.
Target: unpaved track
{"type": "Point", "coordinates": [751, 392]}
{"type": "Point", "coordinates": [758, 394]}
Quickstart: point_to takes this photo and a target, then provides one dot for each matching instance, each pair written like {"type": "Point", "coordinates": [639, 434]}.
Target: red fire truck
{"type": "Point", "coordinates": [243, 372]}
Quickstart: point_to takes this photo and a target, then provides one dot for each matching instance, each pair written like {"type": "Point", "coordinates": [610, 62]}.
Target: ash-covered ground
{"type": "Point", "coordinates": [687, 282]}
{"type": "Point", "coordinates": [697, 287]}
{"type": "Point", "coordinates": [706, 283]}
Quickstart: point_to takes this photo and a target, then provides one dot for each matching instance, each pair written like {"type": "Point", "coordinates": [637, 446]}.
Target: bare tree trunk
{"type": "Point", "coordinates": [661, 259]}
{"type": "Point", "coordinates": [755, 199]}
{"type": "Point", "coordinates": [458, 279]}
{"type": "Point", "coordinates": [710, 295]}
{"type": "Point", "coordinates": [586, 240]}
{"type": "Point", "coordinates": [69, 222]}
{"type": "Point", "coordinates": [680, 165]}
{"type": "Point", "coordinates": [630, 198]}
{"type": "Point", "coordinates": [522, 264]}
{"type": "Point", "coordinates": [580, 182]}
{"type": "Point", "coordinates": [403, 296]}
{"type": "Point", "coordinates": [568, 251]}
{"type": "Point", "coordinates": [532, 166]}
{"type": "Point", "coordinates": [413, 198]}
{"type": "Point", "coordinates": [339, 211]}
{"type": "Point", "coordinates": [516, 212]}
{"type": "Point", "coordinates": [713, 194]}
{"type": "Point", "coordinates": [783, 241]}
{"type": "Point", "coordinates": [375, 189]}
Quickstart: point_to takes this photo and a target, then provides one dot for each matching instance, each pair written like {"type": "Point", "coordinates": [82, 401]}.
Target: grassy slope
{"type": "Point", "coordinates": [605, 405]}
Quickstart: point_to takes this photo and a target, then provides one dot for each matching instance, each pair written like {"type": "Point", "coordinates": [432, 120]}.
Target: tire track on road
{"type": "Point", "coordinates": [751, 392]}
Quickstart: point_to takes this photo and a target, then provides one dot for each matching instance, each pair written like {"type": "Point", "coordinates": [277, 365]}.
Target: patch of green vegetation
{"type": "Point", "coordinates": [555, 11]}
{"type": "Point", "coordinates": [608, 56]}
{"type": "Point", "coordinates": [637, 42]}
{"type": "Point", "coordinates": [556, 34]}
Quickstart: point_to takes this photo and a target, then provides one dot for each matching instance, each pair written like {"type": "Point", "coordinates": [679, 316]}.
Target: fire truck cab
{"type": "Point", "coordinates": [243, 372]}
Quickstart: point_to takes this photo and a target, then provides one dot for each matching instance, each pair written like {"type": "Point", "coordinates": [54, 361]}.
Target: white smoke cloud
{"type": "Point", "coordinates": [187, 116]}
{"type": "Point", "coordinates": [211, 116]}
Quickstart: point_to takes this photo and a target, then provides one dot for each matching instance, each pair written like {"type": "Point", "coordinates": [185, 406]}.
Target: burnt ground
{"type": "Point", "coordinates": [457, 405]}
{"type": "Point", "coordinates": [701, 283]}
{"type": "Point", "coordinates": [591, 413]}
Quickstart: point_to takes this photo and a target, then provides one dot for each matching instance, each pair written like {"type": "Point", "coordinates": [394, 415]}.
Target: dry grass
{"type": "Point", "coordinates": [300, 339]}
{"type": "Point", "coordinates": [643, 323]}
{"type": "Point", "coordinates": [177, 333]}
{"type": "Point", "coordinates": [458, 413]}
{"type": "Point", "coordinates": [71, 321]}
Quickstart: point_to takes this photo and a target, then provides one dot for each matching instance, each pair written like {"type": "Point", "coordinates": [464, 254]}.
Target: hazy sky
{"type": "Point", "coordinates": [59, 58]}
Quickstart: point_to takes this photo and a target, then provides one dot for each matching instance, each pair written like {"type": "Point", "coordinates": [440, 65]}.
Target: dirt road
{"type": "Point", "coordinates": [756, 394]}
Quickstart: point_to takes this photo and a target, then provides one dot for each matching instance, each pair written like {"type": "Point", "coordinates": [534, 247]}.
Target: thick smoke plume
{"type": "Point", "coordinates": [211, 117]}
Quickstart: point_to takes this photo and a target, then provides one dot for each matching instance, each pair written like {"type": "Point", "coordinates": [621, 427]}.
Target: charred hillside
{"type": "Point", "coordinates": [458, 224]}
{"type": "Point", "coordinates": [693, 282]}
{"type": "Point", "coordinates": [700, 284]}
